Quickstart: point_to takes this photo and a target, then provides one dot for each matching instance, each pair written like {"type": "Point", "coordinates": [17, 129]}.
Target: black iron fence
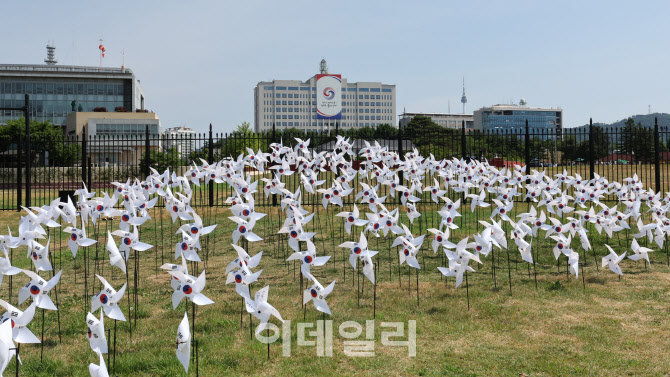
{"type": "Point", "coordinates": [34, 170]}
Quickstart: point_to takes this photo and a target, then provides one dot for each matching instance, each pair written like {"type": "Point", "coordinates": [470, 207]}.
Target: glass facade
{"type": "Point", "coordinates": [51, 98]}
{"type": "Point", "coordinates": [128, 130]}
{"type": "Point", "coordinates": [510, 119]}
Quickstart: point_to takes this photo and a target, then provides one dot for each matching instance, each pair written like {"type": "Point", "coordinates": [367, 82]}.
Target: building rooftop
{"type": "Point", "coordinates": [436, 114]}
{"type": "Point", "coordinates": [45, 68]}
{"type": "Point", "coordinates": [517, 107]}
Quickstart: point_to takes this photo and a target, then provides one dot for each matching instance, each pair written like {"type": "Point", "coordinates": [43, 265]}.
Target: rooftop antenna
{"type": "Point", "coordinates": [323, 67]}
{"type": "Point", "coordinates": [448, 106]}
{"type": "Point", "coordinates": [51, 55]}
{"type": "Point", "coordinates": [464, 99]}
{"type": "Point", "coordinates": [123, 64]}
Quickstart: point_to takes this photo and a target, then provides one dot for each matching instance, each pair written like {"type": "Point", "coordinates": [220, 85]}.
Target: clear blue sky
{"type": "Point", "coordinates": [199, 61]}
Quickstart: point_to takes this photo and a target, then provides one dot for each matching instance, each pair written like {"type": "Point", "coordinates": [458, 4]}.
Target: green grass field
{"type": "Point", "coordinates": [565, 326]}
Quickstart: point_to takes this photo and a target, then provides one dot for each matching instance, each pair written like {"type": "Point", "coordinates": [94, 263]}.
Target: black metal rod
{"type": "Point", "coordinates": [211, 161]}
{"type": "Point", "coordinates": [657, 157]}
{"type": "Point", "coordinates": [28, 151]}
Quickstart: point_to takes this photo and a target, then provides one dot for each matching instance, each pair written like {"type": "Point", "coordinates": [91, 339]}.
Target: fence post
{"type": "Point", "coordinates": [19, 173]}
{"type": "Point", "coordinates": [400, 153]}
{"type": "Point", "coordinates": [84, 142]}
{"type": "Point", "coordinates": [463, 141]}
{"type": "Point", "coordinates": [211, 161]}
{"type": "Point", "coordinates": [90, 174]}
{"type": "Point", "coordinates": [274, 140]}
{"type": "Point", "coordinates": [592, 166]}
{"type": "Point", "coordinates": [28, 151]}
{"type": "Point", "coordinates": [147, 152]}
{"type": "Point", "coordinates": [527, 147]}
{"type": "Point", "coordinates": [657, 157]}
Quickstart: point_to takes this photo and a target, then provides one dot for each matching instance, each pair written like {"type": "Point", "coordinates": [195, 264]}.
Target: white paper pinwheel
{"type": "Point", "coordinates": [261, 309]}
{"type": "Point", "coordinates": [109, 299]}
{"type": "Point", "coordinates": [177, 209]}
{"type": "Point", "coordinates": [412, 213]}
{"type": "Point", "coordinates": [129, 217]}
{"type": "Point", "coordinates": [244, 229]}
{"type": "Point", "coordinates": [478, 200]}
{"type": "Point", "coordinates": [78, 238]}
{"type": "Point", "coordinates": [367, 266]}
{"type": "Point", "coordinates": [408, 253]}
{"type": "Point", "coordinates": [351, 219]}
{"type": "Point", "coordinates": [184, 342]}
{"type": "Point", "coordinates": [6, 267]}
{"type": "Point", "coordinates": [39, 289]}
{"type": "Point", "coordinates": [96, 333]}
{"type": "Point", "coordinates": [243, 258]}
{"type": "Point", "coordinates": [458, 261]}
{"type": "Point", "coordinates": [612, 260]}
{"type": "Point", "coordinates": [190, 288]}
{"type": "Point", "coordinates": [573, 262]}
{"type": "Point", "coordinates": [98, 370]}
{"type": "Point", "coordinates": [355, 249]}
{"type": "Point", "coordinates": [296, 234]}
{"type": "Point", "coordinates": [130, 241]}
{"type": "Point", "coordinates": [562, 245]}
{"type": "Point", "coordinates": [242, 277]}
{"type": "Point", "coordinates": [69, 211]}
{"type": "Point", "coordinates": [196, 229]}
{"type": "Point", "coordinates": [317, 293]}
{"type": "Point", "coordinates": [484, 242]}
{"type": "Point", "coordinates": [435, 191]}
{"type": "Point", "coordinates": [39, 255]}
{"type": "Point", "coordinates": [7, 347]}
{"type": "Point", "coordinates": [308, 259]}
{"type": "Point", "coordinates": [115, 257]}
{"type": "Point", "coordinates": [639, 252]}
{"type": "Point", "coordinates": [502, 209]}
{"type": "Point", "coordinates": [187, 247]}
{"type": "Point", "coordinates": [20, 320]}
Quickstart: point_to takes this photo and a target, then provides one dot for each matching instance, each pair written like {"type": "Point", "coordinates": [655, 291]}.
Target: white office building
{"type": "Point", "coordinates": [452, 121]}
{"type": "Point", "coordinates": [293, 103]}
{"type": "Point", "coordinates": [180, 138]}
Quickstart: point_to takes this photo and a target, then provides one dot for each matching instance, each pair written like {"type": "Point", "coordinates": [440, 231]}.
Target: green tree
{"type": "Point", "coordinates": [386, 131]}
{"type": "Point", "coordinates": [238, 141]}
{"type": "Point", "coordinates": [161, 160]}
{"type": "Point", "coordinates": [421, 124]}
{"type": "Point", "coordinates": [45, 138]}
{"type": "Point", "coordinates": [365, 133]}
{"type": "Point", "coordinates": [638, 141]}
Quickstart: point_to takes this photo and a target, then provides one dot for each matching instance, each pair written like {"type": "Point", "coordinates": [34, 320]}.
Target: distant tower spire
{"type": "Point", "coordinates": [324, 67]}
{"type": "Point", "coordinates": [51, 55]}
{"type": "Point", "coordinates": [464, 99]}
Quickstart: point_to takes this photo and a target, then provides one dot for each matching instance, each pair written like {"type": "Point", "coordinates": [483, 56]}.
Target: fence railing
{"type": "Point", "coordinates": [61, 164]}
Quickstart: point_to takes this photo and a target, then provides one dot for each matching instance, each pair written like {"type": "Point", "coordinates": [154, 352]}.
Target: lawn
{"type": "Point", "coordinates": [598, 325]}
